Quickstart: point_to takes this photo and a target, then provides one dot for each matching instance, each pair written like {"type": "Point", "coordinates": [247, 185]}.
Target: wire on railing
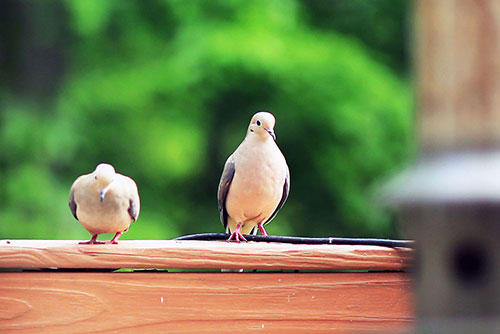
{"type": "Point", "coordinates": [304, 240]}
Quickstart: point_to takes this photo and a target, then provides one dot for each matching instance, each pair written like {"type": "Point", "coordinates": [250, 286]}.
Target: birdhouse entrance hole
{"type": "Point", "coordinates": [470, 263]}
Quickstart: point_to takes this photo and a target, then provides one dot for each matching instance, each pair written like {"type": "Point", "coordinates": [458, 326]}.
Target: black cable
{"type": "Point", "coordinates": [301, 240]}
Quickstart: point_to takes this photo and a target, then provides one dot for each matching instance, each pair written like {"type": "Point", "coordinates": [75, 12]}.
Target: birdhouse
{"type": "Point", "coordinates": [450, 200]}
{"type": "Point", "coordinates": [450, 206]}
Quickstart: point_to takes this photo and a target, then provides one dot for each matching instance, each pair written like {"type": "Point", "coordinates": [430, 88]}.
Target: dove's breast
{"type": "Point", "coordinates": [109, 216]}
{"type": "Point", "coordinates": [257, 186]}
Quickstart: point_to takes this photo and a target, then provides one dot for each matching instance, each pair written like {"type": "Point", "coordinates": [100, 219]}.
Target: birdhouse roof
{"type": "Point", "coordinates": [457, 177]}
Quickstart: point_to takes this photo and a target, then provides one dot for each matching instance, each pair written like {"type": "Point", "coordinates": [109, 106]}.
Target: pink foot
{"type": "Point", "coordinates": [117, 236]}
{"type": "Point", "coordinates": [262, 229]}
{"type": "Point", "coordinates": [92, 241]}
{"type": "Point", "coordinates": [236, 235]}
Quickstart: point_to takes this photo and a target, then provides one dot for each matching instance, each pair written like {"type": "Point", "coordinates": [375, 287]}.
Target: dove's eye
{"type": "Point", "coordinates": [258, 123]}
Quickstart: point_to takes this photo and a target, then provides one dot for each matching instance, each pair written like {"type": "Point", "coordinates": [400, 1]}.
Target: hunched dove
{"type": "Point", "coordinates": [104, 202]}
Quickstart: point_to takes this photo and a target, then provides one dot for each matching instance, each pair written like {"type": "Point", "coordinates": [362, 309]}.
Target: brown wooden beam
{"type": "Point", "coordinates": [200, 255]}
{"type": "Point", "coordinates": [55, 302]}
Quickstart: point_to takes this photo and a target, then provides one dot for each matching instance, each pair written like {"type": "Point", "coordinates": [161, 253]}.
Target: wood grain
{"type": "Point", "coordinates": [458, 74]}
{"type": "Point", "coordinates": [200, 255]}
{"type": "Point", "coordinates": [54, 302]}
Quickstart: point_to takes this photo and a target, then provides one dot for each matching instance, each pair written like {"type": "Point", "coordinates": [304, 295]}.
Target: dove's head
{"type": "Point", "coordinates": [104, 175]}
{"type": "Point", "coordinates": [262, 125]}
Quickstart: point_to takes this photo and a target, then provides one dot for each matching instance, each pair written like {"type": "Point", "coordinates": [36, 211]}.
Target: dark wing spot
{"type": "Point", "coordinates": [72, 204]}
{"type": "Point", "coordinates": [132, 210]}
{"type": "Point", "coordinates": [224, 184]}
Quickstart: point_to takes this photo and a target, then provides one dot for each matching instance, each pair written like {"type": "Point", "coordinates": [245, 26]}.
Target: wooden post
{"type": "Point", "coordinates": [451, 198]}
{"type": "Point", "coordinates": [458, 74]}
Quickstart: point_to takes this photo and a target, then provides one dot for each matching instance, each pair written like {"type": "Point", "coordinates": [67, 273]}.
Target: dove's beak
{"type": "Point", "coordinates": [102, 193]}
{"type": "Point", "coordinates": [271, 133]}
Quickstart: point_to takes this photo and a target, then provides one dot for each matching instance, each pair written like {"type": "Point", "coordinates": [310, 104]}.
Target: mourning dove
{"type": "Point", "coordinates": [104, 202]}
{"type": "Point", "coordinates": [255, 181]}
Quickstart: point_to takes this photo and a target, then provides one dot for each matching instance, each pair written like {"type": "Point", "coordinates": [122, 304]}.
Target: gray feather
{"type": "Point", "coordinates": [224, 184]}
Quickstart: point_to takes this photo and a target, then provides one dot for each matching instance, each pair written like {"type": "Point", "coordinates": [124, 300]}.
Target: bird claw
{"type": "Point", "coordinates": [92, 241]}
{"type": "Point", "coordinates": [236, 235]}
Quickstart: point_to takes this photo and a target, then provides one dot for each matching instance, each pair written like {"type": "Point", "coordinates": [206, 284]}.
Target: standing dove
{"type": "Point", "coordinates": [104, 202]}
{"type": "Point", "coordinates": [255, 181]}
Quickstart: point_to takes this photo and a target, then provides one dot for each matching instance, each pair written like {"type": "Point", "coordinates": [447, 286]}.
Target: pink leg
{"type": "Point", "coordinates": [114, 241]}
{"type": "Point", "coordinates": [237, 234]}
{"type": "Point", "coordinates": [262, 229]}
{"type": "Point", "coordinates": [92, 241]}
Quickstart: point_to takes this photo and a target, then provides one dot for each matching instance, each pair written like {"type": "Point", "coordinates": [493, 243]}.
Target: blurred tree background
{"type": "Point", "coordinates": [164, 91]}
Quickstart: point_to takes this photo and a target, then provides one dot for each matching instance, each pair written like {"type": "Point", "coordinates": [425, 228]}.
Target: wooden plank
{"type": "Point", "coordinates": [200, 255]}
{"type": "Point", "coordinates": [54, 302]}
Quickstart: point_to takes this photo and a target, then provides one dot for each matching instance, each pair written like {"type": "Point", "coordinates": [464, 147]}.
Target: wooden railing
{"type": "Point", "coordinates": [59, 286]}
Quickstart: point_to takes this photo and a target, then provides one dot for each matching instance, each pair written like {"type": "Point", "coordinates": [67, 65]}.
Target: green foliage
{"type": "Point", "coordinates": [164, 90]}
{"type": "Point", "coordinates": [380, 24]}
